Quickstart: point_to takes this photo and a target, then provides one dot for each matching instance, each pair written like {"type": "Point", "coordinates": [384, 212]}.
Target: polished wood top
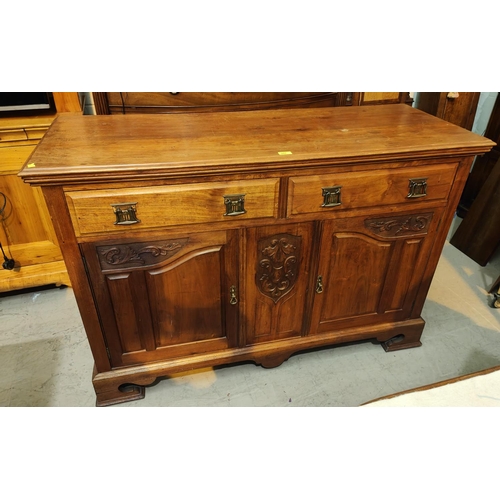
{"type": "Point", "coordinates": [120, 147]}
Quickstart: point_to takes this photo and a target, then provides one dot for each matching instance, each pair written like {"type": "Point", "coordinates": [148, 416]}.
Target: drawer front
{"type": "Point", "coordinates": [11, 135]}
{"type": "Point", "coordinates": [337, 191]}
{"type": "Point", "coordinates": [174, 102]}
{"type": "Point", "coordinates": [139, 208]}
{"type": "Point", "coordinates": [36, 132]}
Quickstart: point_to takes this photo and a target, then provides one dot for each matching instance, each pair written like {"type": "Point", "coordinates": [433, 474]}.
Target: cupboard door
{"type": "Point", "coordinates": [165, 298]}
{"type": "Point", "coordinates": [369, 270]}
{"type": "Point", "coordinates": [277, 274]}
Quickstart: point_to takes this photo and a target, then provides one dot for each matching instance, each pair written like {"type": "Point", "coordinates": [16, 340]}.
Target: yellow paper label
{"type": "Point", "coordinates": [30, 165]}
{"type": "Point", "coordinates": [284, 153]}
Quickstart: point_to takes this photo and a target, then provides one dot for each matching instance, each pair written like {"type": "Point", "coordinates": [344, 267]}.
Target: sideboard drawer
{"type": "Point", "coordinates": [337, 191]}
{"type": "Point", "coordinates": [125, 209]}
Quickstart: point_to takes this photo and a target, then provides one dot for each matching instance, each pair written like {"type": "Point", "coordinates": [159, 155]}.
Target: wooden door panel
{"type": "Point", "coordinates": [129, 317]}
{"type": "Point", "coordinates": [355, 270]}
{"type": "Point", "coordinates": [186, 302]}
{"type": "Point", "coordinates": [370, 269]}
{"type": "Point", "coordinates": [405, 254]}
{"type": "Point", "coordinates": [272, 321]}
{"type": "Point", "coordinates": [277, 275]}
{"type": "Point", "coordinates": [164, 298]}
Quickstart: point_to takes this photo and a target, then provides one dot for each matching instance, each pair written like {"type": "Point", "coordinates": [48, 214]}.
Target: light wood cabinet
{"type": "Point", "coordinates": [196, 240]}
{"type": "Point", "coordinates": [26, 231]}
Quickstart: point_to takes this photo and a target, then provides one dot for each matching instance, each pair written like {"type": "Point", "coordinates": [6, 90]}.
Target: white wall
{"type": "Point", "coordinates": [88, 103]}
{"type": "Point", "coordinates": [483, 113]}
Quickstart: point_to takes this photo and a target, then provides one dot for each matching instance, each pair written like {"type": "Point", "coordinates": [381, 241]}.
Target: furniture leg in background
{"type": "Point", "coordinates": [495, 290]}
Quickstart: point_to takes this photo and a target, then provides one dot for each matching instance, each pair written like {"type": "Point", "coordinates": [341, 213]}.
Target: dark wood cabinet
{"type": "Point", "coordinates": [201, 239]}
{"type": "Point", "coordinates": [458, 108]}
{"type": "Point", "coordinates": [478, 235]}
{"type": "Point", "coordinates": [109, 103]}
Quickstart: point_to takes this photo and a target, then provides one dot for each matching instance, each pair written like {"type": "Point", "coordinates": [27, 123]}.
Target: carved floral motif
{"type": "Point", "coordinates": [138, 254]}
{"type": "Point", "coordinates": [400, 225]}
{"type": "Point", "coordinates": [277, 272]}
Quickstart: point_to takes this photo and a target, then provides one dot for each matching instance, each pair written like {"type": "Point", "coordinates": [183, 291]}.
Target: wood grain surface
{"type": "Point", "coordinates": [145, 145]}
{"type": "Point", "coordinates": [190, 287]}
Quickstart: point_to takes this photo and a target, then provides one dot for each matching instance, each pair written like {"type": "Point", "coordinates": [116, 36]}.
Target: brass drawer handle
{"type": "Point", "coordinates": [417, 188]}
{"type": "Point", "coordinates": [235, 204]}
{"type": "Point", "coordinates": [331, 196]}
{"type": "Point", "coordinates": [125, 213]}
{"type": "Point", "coordinates": [233, 299]}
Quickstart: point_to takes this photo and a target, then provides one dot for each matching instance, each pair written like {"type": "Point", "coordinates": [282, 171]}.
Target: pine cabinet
{"type": "Point", "coordinates": [204, 239]}
{"type": "Point", "coordinates": [26, 231]}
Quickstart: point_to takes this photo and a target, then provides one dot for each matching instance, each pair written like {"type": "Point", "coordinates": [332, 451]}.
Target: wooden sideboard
{"type": "Point", "coordinates": [26, 231]}
{"type": "Point", "coordinates": [201, 239]}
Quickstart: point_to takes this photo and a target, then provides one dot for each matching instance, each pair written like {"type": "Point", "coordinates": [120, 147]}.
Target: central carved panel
{"type": "Point", "coordinates": [278, 264]}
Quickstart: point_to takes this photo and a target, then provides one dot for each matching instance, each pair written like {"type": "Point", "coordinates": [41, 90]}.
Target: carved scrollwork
{"type": "Point", "coordinates": [406, 225]}
{"type": "Point", "coordinates": [122, 255]}
{"type": "Point", "coordinates": [138, 254]}
{"type": "Point", "coordinates": [277, 272]}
